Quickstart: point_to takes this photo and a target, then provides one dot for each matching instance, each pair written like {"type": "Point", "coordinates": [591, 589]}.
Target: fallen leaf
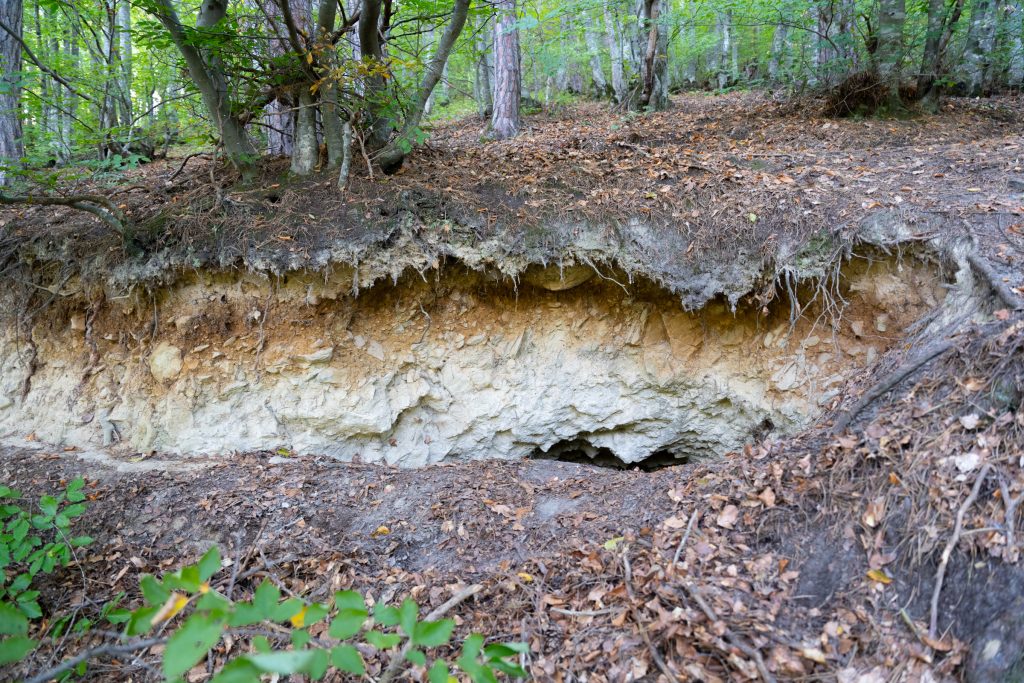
{"type": "Point", "coordinates": [728, 516]}
{"type": "Point", "coordinates": [879, 576]}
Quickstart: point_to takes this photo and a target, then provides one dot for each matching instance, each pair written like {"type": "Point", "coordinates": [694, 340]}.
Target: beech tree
{"type": "Point", "coordinates": [507, 72]}
{"type": "Point", "coordinates": [11, 147]}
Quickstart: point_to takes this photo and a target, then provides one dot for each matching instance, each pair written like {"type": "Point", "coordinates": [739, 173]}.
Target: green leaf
{"type": "Point", "coordinates": [74, 490]}
{"type": "Point", "coordinates": [383, 641]}
{"type": "Point", "coordinates": [318, 667]}
{"type": "Point", "coordinates": [284, 662]}
{"type": "Point", "coordinates": [72, 511]}
{"type": "Point", "coordinates": [286, 610]}
{"type": "Point", "coordinates": [262, 644]}
{"type": "Point", "coordinates": [154, 592]}
{"type": "Point", "coordinates": [12, 621]}
{"type": "Point", "coordinates": [190, 643]}
{"type": "Point", "coordinates": [30, 608]}
{"type": "Point", "coordinates": [245, 614]}
{"type": "Point", "coordinates": [502, 650]}
{"type": "Point", "coordinates": [349, 600]}
{"type": "Point", "coordinates": [347, 659]}
{"type": "Point", "coordinates": [265, 599]}
{"type": "Point", "coordinates": [48, 504]}
{"type": "Point", "coordinates": [209, 564]}
{"type": "Point", "coordinates": [238, 671]}
{"type": "Point", "coordinates": [185, 579]}
{"type": "Point", "coordinates": [213, 602]}
{"type": "Point", "coordinates": [438, 672]}
{"type": "Point", "coordinates": [416, 657]}
{"type": "Point", "coordinates": [433, 633]}
{"type": "Point", "coordinates": [80, 541]}
{"type": "Point", "coordinates": [14, 648]}
{"type": "Point", "coordinates": [509, 669]}
{"type": "Point", "coordinates": [300, 638]}
{"type": "Point", "coordinates": [141, 620]}
{"type": "Point", "coordinates": [385, 615]}
{"type": "Point", "coordinates": [407, 614]}
{"type": "Point", "coordinates": [314, 613]}
{"type": "Point", "coordinates": [347, 623]}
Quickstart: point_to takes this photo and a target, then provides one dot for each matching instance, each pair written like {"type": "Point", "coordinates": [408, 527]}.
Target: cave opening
{"type": "Point", "coordinates": [581, 451]}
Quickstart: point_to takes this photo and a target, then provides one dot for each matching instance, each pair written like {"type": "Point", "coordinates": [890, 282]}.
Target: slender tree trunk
{"type": "Point", "coordinates": [507, 73]}
{"type": "Point", "coordinates": [980, 42]}
{"type": "Point", "coordinates": [1015, 35]}
{"type": "Point", "coordinates": [778, 54]}
{"type": "Point", "coordinates": [211, 82]}
{"type": "Point", "coordinates": [330, 111]}
{"type": "Point", "coordinates": [124, 21]}
{"type": "Point", "coordinates": [306, 152]}
{"type": "Point", "coordinates": [933, 36]}
{"type": "Point", "coordinates": [655, 63]}
{"type": "Point", "coordinates": [942, 22]}
{"type": "Point", "coordinates": [372, 54]}
{"type": "Point", "coordinates": [613, 35]}
{"type": "Point", "coordinates": [484, 89]}
{"type": "Point", "coordinates": [593, 47]}
{"type": "Point", "coordinates": [723, 50]}
{"type": "Point", "coordinates": [892, 15]}
{"type": "Point", "coordinates": [11, 145]}
{"type": "Point", "coordinates": [392, 157]}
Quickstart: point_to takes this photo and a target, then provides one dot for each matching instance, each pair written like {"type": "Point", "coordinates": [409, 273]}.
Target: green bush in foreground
{"type": "Point", "coordinates": [33, 541]}
{"type": "Point", "coordinates": [186, 613]}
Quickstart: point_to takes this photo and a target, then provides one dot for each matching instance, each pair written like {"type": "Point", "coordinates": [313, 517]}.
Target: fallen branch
{"type": "Point", "coordinates": [884, 386]}
{"type": "Point", "coordinates": [396, 663]}
{"type": "Point", "coordinates": [101, 651]}
{"type": "Point", "coordinates": [185, 161]}
{"type": "Point", "coordinates": [97, 205]}
{"type": "Point", "coordinates": [940, 575]}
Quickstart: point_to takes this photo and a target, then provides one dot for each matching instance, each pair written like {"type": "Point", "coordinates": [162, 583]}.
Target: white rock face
{"type": "Point", "coordinates": [453, 369]}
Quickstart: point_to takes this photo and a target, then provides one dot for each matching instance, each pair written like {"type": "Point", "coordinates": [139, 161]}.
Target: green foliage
{"type": "Point", "coordinates": [187, 607]}
{"type": "Point", "coordinates": [33, 540]}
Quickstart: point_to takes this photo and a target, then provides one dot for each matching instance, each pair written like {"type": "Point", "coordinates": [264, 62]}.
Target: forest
{"type": "Point", "coordinates": [116, 83]}
{"type": "Point", "coordinates": [592, 341]}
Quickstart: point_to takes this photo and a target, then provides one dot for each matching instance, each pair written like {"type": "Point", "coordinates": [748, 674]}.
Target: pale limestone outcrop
{"type": "Point", "coordinates": [453, 367]}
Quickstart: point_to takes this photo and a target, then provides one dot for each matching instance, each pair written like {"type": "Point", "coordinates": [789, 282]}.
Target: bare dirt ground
{"type": "Point", "coordinates": [814, 558]}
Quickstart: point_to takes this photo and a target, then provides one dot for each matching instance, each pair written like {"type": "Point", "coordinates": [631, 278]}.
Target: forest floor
{"type": "Point", "coordinates": [817, 557]}
{"type": "Point", "coordinates": [737, 171]}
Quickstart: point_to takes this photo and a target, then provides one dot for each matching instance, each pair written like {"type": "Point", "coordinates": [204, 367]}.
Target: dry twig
{"type": "Point", "coordinates": [940, 575]}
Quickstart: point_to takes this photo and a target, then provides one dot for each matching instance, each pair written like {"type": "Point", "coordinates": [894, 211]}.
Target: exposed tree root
{"type": "Point", "coordinates": [984, 271]}
{"type": "Point", "coordinates": [880, 389]}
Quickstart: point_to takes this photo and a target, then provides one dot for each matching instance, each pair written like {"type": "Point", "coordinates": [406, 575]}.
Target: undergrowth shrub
{"type": "Point", "coordinates": [189, 612]}
{"type": "Point", "coordinates": [34, 539]}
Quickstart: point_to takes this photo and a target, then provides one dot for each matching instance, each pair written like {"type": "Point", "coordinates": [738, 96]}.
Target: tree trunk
{"type": "Point", "coordinates": [124, 26]}
{"type": "Point", "coordinates": [391, 158]}
{"type": "Point", "coordinates": [484, 91]}
{"type": "Point", "coordinates": [892, 15]}
{"type": "Point", "coordinates": [507, 73]}
{"type": "Point", "coordinates": [722, 56]}
{"type": "Point", "coordinates": [372, 53]}
{"type": "Point", "coordinates": [1015, 36]}
{"type": "Point", "coordinates": [306, 152]}
{"type": "Point", "coordinates": [11, 146]}
{"type": "Point", "coordinates": [593, 47]}
{"type": "Point", "coordinates": [614, 37]}
{"type": "Point", "coordinates": [211, 82]}
{"type": "Point", "coordinates": [980, 42]}
{"type": "Point", "coordinates": [330, 112]}
{"type": "Point", "coordinates": [778, 54]}
{"type": "Point", "coordinates": [655, 63]}
{"type": "Point", "coordinates": [942, 23]}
